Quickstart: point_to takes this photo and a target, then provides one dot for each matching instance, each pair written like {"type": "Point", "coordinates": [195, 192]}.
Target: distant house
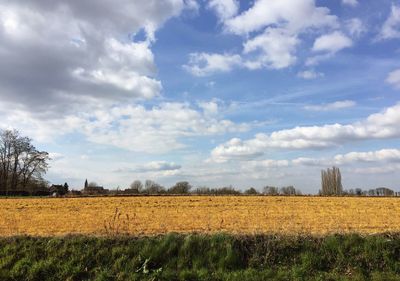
{"type": "Point", "coordinates": [58, 189]}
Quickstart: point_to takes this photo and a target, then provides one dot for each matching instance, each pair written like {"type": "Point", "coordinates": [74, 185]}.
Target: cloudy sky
{"type": "Point", "coordinates": [216, 92]}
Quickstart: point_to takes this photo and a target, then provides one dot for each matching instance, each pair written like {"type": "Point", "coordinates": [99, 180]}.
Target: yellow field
{"type": "Point", "coordinates": [153, 215]}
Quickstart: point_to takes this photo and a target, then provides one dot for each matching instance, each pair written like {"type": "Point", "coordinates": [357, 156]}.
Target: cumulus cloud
{"type": "Point", "coordinates": [126, 66]}
{"type": "Point", "coordinates": [391, 27]}
{"type": "Point", "coordinates": [381, 125]}
{"type": "Point", "coordinates": [394, 78]}
{"type": "Point", "coordinates": [270, 31]}
{"type": "Point", "coordinates": [276, 47]}
{"type": "Point", "coordinates": [273, 49]}
{"type": "Point", "coordinates": [294, 14]}
{"type": "Point", "coordinates": [80, 52]}
{"type": "Point", "coordinates": [332, 42]}
{"type": "Point", "coordinates": [203, 64]}
{"type": "Point", "coordinates": [383, 155]}
{"type": "Point", "coordinates": [331, 106]}
{"type": "Point", "coordinates": [327, 45]}
{"type": "Point", "coordinates": [235, 149]}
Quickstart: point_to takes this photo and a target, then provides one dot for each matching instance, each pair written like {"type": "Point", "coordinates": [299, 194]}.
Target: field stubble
{"type": "Point", "coordinates": [205, 214]}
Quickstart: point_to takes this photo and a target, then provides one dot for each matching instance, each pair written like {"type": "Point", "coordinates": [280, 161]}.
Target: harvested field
{"type": "Point", "coordinates": [233, 214]}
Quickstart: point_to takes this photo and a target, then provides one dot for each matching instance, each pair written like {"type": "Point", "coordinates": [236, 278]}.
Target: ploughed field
{"type": "Point", "coordinates": [205, 214]}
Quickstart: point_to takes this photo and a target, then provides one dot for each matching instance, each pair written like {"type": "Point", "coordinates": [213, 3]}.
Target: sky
{"type": "Point", "coordinates": [214, 92]}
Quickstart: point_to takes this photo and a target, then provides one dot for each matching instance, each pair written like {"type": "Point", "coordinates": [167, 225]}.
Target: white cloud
{"type": "Point", "coordinates": [155, 130]}
{"type": "Point", "coordinates": [352, 3]}
{"type": "Point", "coordinates": [294, 14]}
{"type": "Point", "coordinates": [235, 149]}
{"type": "Point", "coordinates": [327, 46]}
{"type": "Point", "coordinates": [126, 66]}
{"type": "Point", "coordinates": [75, 46]}
{"type": "Point", "coordinates": [277, 48]}
{"type": "Point", "coordinates": [331, 106]}
{"type": "Point", "coordinates": [224, 9]}
{"type": "Point", "coordinates": [332, 42]}
{"type": "Point", "coordinates": [41, 128]}
{"type": "Point", "coordinates": [381, 125]}
{"type": "Point", "coordinates": [391, 27]}
{"type": "Point", "coordinates": [271, 32]}
{"type": "Point", "coordinates": [309, 74]}
{"type": "Point", "coordinates": [203, 64]}
{"type": "Point", "coordinates": [159, 129]}
{"type": "Point", "coordinates": [273, 49]}
{"type": "Point", "coordinates": [394, 78]}
{"type": "Point", "coordinates": [355, 27]}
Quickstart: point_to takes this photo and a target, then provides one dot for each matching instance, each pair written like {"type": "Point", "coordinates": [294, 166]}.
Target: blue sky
{"type": "Point", "coordinates": [218, 92]}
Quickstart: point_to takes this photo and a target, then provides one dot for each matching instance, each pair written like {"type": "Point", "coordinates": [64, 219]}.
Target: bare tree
{"type": "Point", "coordinates": [21, 163]}
{"type": "Point", "coordinates": [182, 187]}
{"type": "Point", "coordinates": [33, 165]}
{"type": "Point", "coordinates": [136, 186]}
{"type": "Point", "coordinates": [6, 153]}
{"type": "Point", "coordinates": [251, 191]}
{"type": "Point", "coordinates": [288, 190]}
{"type": "Point", "coordinates": [202, 190]}
{"type": "Point", "coordinates": [270, 190]}
{"type": "Point", "coordinates": [331, 181]}
{"type": "Point", "coordinates": [151, 187]}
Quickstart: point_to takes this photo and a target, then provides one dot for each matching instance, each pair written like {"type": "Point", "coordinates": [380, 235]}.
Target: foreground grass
{"type": "Point", "coordinates": [201, 257]}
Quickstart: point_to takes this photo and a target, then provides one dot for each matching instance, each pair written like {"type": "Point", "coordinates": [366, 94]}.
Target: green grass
{"type": "Point", "coordinates": [201, 257]}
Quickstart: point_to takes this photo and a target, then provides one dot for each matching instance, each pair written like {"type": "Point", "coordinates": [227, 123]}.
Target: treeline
{"type": "Point", "coordinates": [183, 187]}
{"type": "Point", "coordinates": [380, 191]}
{"type": "Point", "coordinates": [331, 185]}
{"type": "Point", "coordinates": [21, 165]}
